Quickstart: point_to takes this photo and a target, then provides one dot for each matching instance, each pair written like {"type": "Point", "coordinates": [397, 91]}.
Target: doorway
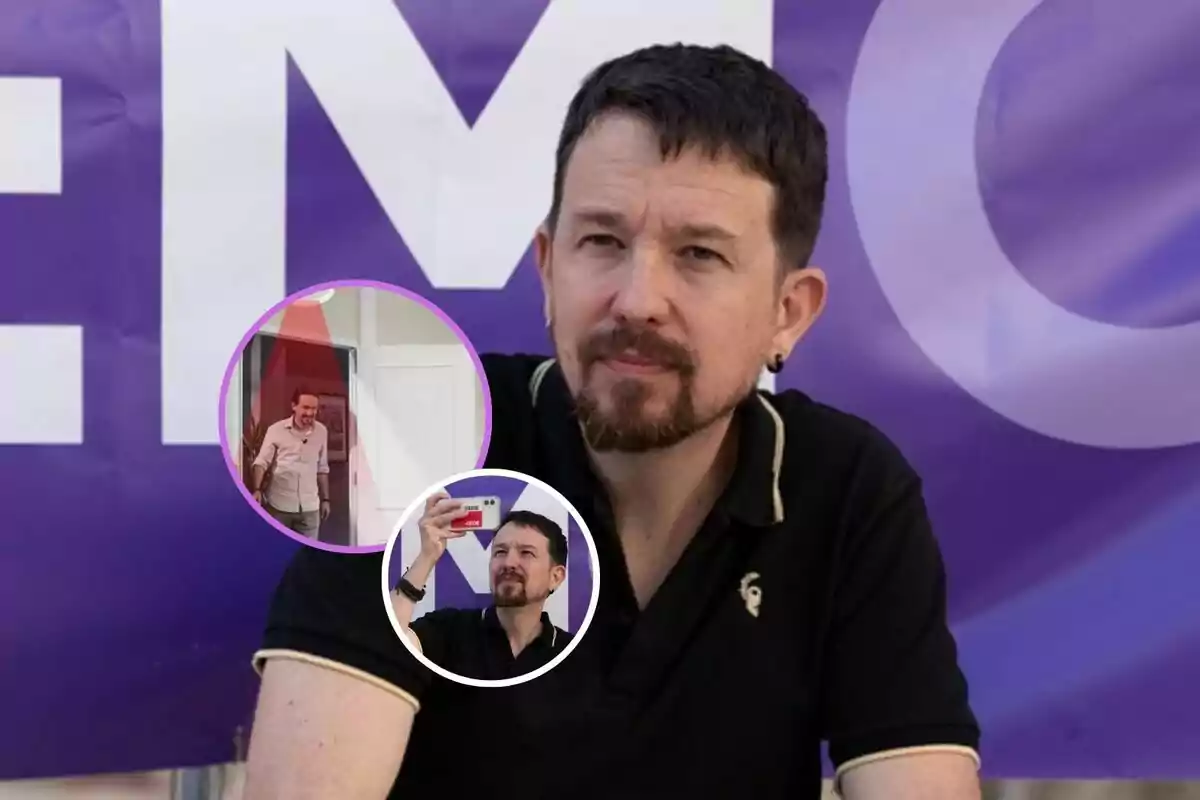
{"type": "Point", "coordinates": [421, 420]}
{"type": "Point", "coordinates": [272, 368]}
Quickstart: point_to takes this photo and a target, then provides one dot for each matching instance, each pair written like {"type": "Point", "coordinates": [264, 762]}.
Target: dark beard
{"type": "Point", "coordinates": [624, 429]}
{"type": "Point", "coordinates": [623, 432]}
{"type": "Point", "coordinates": [514, 599]}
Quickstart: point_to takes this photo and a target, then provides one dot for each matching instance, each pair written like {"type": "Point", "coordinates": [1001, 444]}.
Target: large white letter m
{"type": "Point", "coordinates": [225, 128]}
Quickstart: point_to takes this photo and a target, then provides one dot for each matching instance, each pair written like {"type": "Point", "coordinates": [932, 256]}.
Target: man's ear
{"type": "Point", "coordinates": [558, 574]}
{"type": "Point", "coordinates": [801, 301]}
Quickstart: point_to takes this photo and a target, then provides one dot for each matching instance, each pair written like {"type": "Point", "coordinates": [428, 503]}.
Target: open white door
{"type": "Point", "coordinates": [416, 425]}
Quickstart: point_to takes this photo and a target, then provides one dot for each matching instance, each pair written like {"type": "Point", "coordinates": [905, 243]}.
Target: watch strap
{"type": "Point", "coordinates": [408, 590]}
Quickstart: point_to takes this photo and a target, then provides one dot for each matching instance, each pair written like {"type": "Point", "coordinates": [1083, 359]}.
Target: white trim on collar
{"type": "Point", "coordinates": [553, 628]}
{"type": "Point", "coordinates": [535, 382]}
{"type": "Point", "coordinates": [777, 459]}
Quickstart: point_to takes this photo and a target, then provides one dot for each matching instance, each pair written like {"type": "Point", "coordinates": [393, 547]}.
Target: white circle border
{"type": "Point", "coordinates": [593, 562]}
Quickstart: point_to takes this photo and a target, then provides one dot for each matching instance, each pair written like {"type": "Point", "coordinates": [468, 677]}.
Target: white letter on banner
{"type": "Point", "coordinates": [224, 128]}
{"type": "Point", "coordinates": [41, 365]}
{"type": "Point", "coordinates": [911, 133]}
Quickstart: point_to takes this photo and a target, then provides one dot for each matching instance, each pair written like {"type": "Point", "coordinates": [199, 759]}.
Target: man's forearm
{"type": "Point", "coordinates": [924, 774]}
{"type": "Point", "coordinates": [256, 477]}
{"type": "Point", "coordinates": [418, 575]}
{"type": "Point", "coordinates": [323, 487]}
{"type": "Point", "coordinates": [311, 722]}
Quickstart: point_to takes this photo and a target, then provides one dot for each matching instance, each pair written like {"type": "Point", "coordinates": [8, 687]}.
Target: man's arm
{"type": "Point", "coordinates": [324, 731]}
{"type": "Point", "coordinates": [262, 461]}
{"type": "Point", "coordinates": [323, 464]}
{"type": "Point", "coordinates": [339, 689]}
{"type": "Point", "coordinates": [323, 471]}
{"type": "Point", "coordinates": [921, 775]}
{"type": "Point", "coordinates": [256, 481]}
{"type": "Point", "coordinates": [434, 527]}
{"type": "Point", "coordinates": [895, 706]}
{"type": "Point", "coordinates": [418, 575]}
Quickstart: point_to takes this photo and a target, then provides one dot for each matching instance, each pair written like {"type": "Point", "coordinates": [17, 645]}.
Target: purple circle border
{"type": "Point", "coordinates": [282, 305]}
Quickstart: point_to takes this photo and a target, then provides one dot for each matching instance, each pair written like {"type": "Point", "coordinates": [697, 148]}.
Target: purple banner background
{"type": "Point", "coordinates": [453, 590]}
{"type": "Point", "coordinates": [134, 580]}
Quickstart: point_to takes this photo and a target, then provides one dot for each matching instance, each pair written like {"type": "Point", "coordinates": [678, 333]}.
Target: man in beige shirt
{"type": "Point", "coordinates": [297, 495]}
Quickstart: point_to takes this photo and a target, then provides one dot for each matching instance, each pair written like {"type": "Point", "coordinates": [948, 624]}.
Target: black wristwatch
{"type": "Point", "coordinates": [408, 590]}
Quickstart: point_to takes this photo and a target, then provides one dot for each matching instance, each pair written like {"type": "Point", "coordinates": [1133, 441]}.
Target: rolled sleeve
{"type": "Point", "coordinates": [328, 609]}
{"type": "Point", "coordinates": [323, 453]}
{"type": "Point", "coordinates": [269, 444]}
{"type": "Point", "coordinates": [893, 683]}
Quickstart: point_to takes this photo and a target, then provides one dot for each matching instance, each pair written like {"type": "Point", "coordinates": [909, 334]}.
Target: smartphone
{"type": "Point", "coordinates": [478, 514]}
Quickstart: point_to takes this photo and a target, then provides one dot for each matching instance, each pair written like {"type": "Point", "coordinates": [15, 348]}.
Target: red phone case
{"type": "Point", "coordinates": [471, 519]}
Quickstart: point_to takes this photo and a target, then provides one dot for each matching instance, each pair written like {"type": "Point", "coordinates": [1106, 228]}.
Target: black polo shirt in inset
{"type": "Point", "coordinates": [472, 643]}
{"type": "Point", "coordinates": [809, 606]}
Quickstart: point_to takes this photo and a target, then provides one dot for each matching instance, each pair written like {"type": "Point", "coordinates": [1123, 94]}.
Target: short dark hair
{"type": "Point", "coordinates": [301, 391]}
{"type": "Point", "coordinates": [545, 526]}
{"type": "Point", "coordinates": [724, 102]}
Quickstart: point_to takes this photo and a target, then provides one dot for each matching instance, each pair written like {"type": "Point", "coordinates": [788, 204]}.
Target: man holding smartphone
{"type": "Point", "coordinates": [513, 636]}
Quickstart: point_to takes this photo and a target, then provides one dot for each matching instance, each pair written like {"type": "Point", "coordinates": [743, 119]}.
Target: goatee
{"type": "Point", "coordinates": [625, 427]}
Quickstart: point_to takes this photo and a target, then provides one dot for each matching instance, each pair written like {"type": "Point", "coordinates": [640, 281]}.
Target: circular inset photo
{"type": "Point", "coordinates": [491, 579]}
{"type": "Point", "coordinates": [344, 402]}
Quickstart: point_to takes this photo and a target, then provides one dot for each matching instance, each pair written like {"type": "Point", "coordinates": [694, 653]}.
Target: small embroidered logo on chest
{"type": "Point", "coordinates": [751, 593]}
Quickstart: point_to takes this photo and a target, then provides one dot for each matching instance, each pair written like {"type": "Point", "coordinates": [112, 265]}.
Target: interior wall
{"type": "Point", "coordinates": [340, 313]}
{"type": "Point", "coordinates": [400, 321]}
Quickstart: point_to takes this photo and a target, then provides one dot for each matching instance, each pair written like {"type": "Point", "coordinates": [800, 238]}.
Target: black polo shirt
{"type": "Point", "coordinates": [810, 606]}
{"type": "Point", "coordinates": [472, 643]}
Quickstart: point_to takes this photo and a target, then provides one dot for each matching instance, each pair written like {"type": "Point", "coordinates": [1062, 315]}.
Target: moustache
{"type": "Point", "coordinates": [506, 575]}
{"type": "Point", "coordinates": [642, 341]}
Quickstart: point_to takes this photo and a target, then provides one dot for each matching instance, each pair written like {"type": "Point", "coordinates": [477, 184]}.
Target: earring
{"type": "Point", "coordinates": [776, 365]}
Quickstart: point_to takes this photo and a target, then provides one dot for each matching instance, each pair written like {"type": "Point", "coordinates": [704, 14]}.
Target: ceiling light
{"type": "Point", "coordinates": [317, 298]}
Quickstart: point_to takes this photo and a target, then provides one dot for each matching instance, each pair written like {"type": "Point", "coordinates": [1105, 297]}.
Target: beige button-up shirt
{"type": "Point", "coordinates": [300, 456]}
